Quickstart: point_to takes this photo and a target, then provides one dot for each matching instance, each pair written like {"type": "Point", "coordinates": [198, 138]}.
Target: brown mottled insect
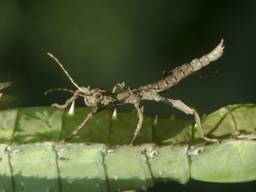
{"type": "Point", "coordinates": [98, 99]}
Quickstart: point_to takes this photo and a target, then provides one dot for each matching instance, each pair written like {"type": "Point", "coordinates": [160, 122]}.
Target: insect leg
{"type": "Point", "coordinates": [65, 105]}
{"type": "Point", "coordinates": [67, 102]}
{"type": "Point", "coordinates": [178, 104]}
{"type": "Point", "coordinates": [58, 89]}
{"type": "Point", "coordinates": [85, 121]}
{"type": "Point", "coordinates": [140, 115]}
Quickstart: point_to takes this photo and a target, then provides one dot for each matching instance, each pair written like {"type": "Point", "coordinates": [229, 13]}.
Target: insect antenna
{"type": "Point", "coordinates": [65, 71]}
{"type": "Point", "coordinates": [58, 89]}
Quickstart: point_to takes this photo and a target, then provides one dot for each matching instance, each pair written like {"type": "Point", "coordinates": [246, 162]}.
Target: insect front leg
{"type": "Point", "coordinates": [140, 115]}
{"type": "Point", "coordinates": [67, 102]}
{"type": "Point", "coordinates": [178, 104]}
{"type": "Point", "coordinates": [85, 121]}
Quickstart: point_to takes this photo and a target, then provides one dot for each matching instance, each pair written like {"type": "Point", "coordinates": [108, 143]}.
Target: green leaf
{"type": "Point", "coordinates": [231, 161]}
{"type": "Point", "coordinates": [69, 167]}
{"type": "Point", "coordinates": [5, 99]}
{"type": "Point", "coordinates": [5, 85]}
{"type": "Point", "coordinates": [29, 138]}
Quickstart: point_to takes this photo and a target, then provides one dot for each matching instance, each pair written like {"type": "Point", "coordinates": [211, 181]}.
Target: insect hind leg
{"type": "Point", "coordinates": [178, 104]}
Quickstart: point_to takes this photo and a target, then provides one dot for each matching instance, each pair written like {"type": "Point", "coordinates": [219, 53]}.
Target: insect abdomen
{"type": "Point", "coordinates": [179, 73]}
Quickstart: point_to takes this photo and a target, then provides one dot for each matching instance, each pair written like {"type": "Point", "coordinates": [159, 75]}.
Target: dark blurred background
{"type": "Point", "coordinates": [104, 42]}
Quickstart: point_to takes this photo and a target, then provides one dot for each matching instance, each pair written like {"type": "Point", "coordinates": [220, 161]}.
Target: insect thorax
{"type": "Point", "coordinates": [99, 97]}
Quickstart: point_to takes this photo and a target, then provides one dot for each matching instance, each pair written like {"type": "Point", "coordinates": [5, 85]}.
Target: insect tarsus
{"type": "Point", "coordinates": [99, 99]}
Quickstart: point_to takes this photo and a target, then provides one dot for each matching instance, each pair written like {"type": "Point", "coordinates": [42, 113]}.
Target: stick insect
{"type": "Point", "coordinates": [98, 99]}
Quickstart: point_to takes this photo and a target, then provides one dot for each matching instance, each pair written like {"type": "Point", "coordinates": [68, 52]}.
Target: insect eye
{"type": "Point", "coordinates": [98, 96]}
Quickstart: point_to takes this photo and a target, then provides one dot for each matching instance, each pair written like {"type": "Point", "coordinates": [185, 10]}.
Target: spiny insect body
{"type": "Point", "coordinates": [98, 99]}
